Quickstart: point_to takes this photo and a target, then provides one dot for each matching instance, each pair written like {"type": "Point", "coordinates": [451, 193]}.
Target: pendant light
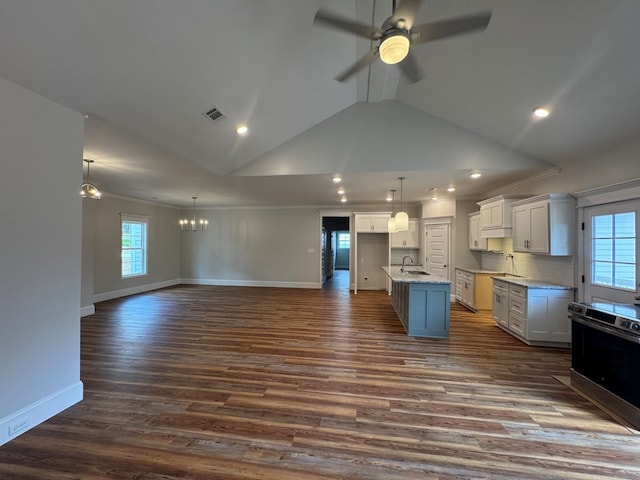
{"type": "Point", "coordinates": [391, 223]}
{"type": "Point", "coordinates": [89, 190]}
{"type": "Point", "coordinates": [187, 225]}
{"type": "Point", "coordinates": [402, 219]}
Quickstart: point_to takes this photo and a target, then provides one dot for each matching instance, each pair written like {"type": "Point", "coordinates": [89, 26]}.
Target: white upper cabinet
{"type": "Point", "coordinates": [408, 239]}
{"type": "Point", "coordinates": [544, 224]}
{"type": "Point", "coordinates": [377, 223]}
{"type": "Point", "coordinates": [475, 241]}
{"type": "Point", "coordinates": [495, 216]}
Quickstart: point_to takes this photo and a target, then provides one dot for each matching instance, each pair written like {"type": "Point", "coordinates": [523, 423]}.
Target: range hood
{"type": "Point", "coordinates": [495, 216]}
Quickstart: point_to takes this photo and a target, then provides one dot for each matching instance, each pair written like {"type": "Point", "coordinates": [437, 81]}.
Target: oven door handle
{"type": "Point", "coordinates": [605, 329]}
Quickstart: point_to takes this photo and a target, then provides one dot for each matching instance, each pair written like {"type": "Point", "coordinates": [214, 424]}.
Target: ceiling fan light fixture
{"type": "Point", "coordinates": [394, 47]}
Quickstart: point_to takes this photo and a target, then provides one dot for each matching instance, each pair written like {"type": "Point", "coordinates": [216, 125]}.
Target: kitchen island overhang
{"type": "Point", "coordinates": [422, 301]}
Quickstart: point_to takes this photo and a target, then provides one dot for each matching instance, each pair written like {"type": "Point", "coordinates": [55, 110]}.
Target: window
{"type": "Point", "coordinates": [134, 246]}
{"type": "Point", "coordinates": [614, 250]}
{"type": "Point", "coordinates": [344, 239]}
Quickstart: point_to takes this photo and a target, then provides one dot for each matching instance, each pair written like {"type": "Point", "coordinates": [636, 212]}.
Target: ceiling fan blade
{"type": "Point", "coordinates": [411, 69]}
{"type": "Point", "coordinates": [449, 28]}
{"type": "Point", "coordinates": [406, 11]}
{"type": "Point", "coordinates": [359, 65]}
{"type": "Point", "coordinates": [344, 24]}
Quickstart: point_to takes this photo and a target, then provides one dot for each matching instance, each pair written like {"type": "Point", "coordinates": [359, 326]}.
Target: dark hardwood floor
{"type": "Point", "coordinates": [200, 382]}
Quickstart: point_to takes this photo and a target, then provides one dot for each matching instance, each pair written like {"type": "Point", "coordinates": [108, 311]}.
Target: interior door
{"type": "Point", "coordinates": [436, 248]}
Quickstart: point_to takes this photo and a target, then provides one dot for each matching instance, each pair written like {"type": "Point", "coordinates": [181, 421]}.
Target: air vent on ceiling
{"type": "Point", "coordinates": [215, 115]}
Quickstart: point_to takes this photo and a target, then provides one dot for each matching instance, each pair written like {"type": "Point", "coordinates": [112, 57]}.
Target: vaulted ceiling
{"type": "Point", "coordinates": [145, 71]}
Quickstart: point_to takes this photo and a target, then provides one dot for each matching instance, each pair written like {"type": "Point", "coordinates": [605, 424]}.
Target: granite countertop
{"type": "Point", "coordinates": [397, 276]}
{"type": "Point", "coordinates": [479, 270]}
{"type": "Point", "coordinates": [531, 283]}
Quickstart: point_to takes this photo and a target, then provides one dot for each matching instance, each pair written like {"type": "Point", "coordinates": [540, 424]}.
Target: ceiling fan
{"type": "Point", "coordinates": [398, 33]}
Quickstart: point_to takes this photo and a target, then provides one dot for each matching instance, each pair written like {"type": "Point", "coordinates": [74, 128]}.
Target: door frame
{"type": "Point", "coordinates": [335, 213]}
{"type": "Point", "coordinates": [450, 222]}
{"type": "Point", "coordinates": [618, 192]}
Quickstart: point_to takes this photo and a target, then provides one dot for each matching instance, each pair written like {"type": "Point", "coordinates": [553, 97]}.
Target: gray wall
{"type": "Point", "coordinates": [275, 247]}
{"type": "Point", "coordinates": [41, 218]}
{"type": "Point", "coordinates": [594, 170]}
{"type": "Point", "coordinates": [102, 227]}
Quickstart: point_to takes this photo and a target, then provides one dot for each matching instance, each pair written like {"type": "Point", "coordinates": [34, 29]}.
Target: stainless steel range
{"type": "Point", "coordinates": [605, 355]}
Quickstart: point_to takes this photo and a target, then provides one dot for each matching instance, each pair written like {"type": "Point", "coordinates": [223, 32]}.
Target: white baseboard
{"type": "Point", "coordinates": [101, 297]}
{"type": "Point", "coordinates": [249, 283]}
{"type": "Point", "coordinates": [88, 310]}
{"type": "Point", "coordinates": [25, 419]}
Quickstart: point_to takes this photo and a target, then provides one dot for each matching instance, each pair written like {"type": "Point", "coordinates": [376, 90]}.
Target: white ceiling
{"type": "Point", "coordinates": [145, 71]}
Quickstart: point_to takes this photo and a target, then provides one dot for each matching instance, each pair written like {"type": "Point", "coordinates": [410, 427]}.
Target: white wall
{"type": "Point", "coordinates": [164, 237]}
{"type": "Point", "coordinates": [41, 218]}
{"type": "Point", "coordinates": [255, 247]}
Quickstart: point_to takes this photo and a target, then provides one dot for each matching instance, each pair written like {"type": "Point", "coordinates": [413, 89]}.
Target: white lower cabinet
{"type": "Point", "coordinates": [535, 315]}
{"type": "Point", "coordinates": [500, 303]}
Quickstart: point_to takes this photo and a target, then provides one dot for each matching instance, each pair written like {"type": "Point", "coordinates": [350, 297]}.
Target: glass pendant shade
{"type": "Point", "coordinates": [402, 221]}
{"type": "Point", "coordinates": [88, 189]}
{"type": "Point", "coordinates": [391, 225]}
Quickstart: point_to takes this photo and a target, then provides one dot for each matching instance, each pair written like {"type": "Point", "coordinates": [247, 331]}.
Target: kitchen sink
{"type": "Point", "coordinates": [417, 272]}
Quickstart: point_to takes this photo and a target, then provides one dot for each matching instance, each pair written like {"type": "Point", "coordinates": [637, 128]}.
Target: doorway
{"type": "Point", "coordinates": [336, 252]}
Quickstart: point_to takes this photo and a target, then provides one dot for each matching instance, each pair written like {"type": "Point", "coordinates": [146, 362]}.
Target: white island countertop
{"type": "Point", "coordinates": [396, 275]}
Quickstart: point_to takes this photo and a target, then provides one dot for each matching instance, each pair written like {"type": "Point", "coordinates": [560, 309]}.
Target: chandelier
{"type": "Point", "coordinates": [187, 225]}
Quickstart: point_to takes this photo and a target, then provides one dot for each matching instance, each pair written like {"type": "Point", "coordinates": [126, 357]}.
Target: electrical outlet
{"type": "Point", "coordinates": [18, 426]}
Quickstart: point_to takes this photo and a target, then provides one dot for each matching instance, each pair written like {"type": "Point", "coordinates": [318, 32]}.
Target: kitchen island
{"type": "Point", "coordinates": [422, 301]}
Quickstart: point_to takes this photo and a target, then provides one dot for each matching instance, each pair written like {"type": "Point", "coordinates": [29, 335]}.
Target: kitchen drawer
{"type": "Point", "coordinates": [500, 287]}
{"type": "Point", "coordinates": [517, 323]}
{"type": "Point", "coordinates": [469, 277]}
{"type": "Point", "coordinates": [518, 291]}
{"type": "Point", "coordinates": [517, 305]}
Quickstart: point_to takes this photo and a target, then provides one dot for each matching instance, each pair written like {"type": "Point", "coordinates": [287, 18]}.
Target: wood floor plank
{"type": "Point", "coordinates": [235, 383]}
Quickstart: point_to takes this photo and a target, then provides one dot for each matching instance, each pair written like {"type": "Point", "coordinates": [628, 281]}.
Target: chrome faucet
{"type": "Point", "coordinates": [403, 259]}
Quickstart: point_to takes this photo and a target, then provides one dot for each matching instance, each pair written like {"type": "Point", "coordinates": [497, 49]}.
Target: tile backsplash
{"type": "Point", "coordinates": [537, 267]}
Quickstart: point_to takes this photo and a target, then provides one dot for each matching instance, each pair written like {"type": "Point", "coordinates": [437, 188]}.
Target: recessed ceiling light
{"type": "Point", "coordinates": [341, 191]}
{"type": "Point", "coordinates": [337, 179]}
{"type": "Point", "coordinates": [343, 199]}
{"type": "Point", "coordinates": [541, 112]}
{"type": "Point", "coordinates": [451, 189]}
{"type": "Point", "coordinates": [242, 130]}
{"type": "Point", "coordinates": [475, 175]}
{"type": "Point", "coordinates": [434, 197]}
